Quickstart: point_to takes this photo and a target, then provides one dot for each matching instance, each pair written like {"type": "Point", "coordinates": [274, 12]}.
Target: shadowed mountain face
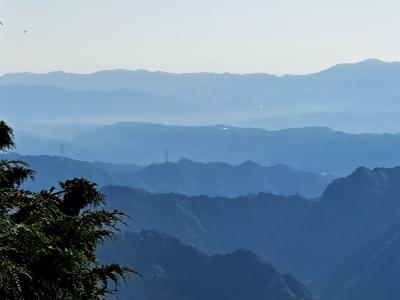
{"type": "Point", "coordinates": [317, 150]}
{"type": "Point", "coordinates": [310, 239]}
{"type": "Point", "coordinates": [349, 97]}
{"type": "Point", "coordinates": [351, 212]}
{"type": "Point", "coordinates": [370, 273]}
{"type": "Point", "coordinates": [175, 271]}
{"type": "Point", "coordinates": [215, 224]}
{"type": "Point", "coordinates": [186, 177]}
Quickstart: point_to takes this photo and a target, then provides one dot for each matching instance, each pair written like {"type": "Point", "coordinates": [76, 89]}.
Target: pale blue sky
{"type": "Point", "coordinates": [273, 36]}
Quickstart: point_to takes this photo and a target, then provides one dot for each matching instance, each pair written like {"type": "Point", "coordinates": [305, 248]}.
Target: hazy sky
{"type": "Point", "coordinates": [273, 36]}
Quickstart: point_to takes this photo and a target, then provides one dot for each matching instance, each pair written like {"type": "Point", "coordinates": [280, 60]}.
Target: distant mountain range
{"type": "Point", "coordinates": [176, 271]}
{"type": "Point", "coordinates": [339, 236]}
{"type": "Point", "coordinates": [343, 243]}
{"type": "Point", "coordinates": [185, 176]}
{"type": "Point", "coordinates": [50, 170]}
{"type": "Point", "coordinates": [360, 97]}
{"type": "Point", "coordinates": [222, 179]}
{"type": "Point", "coordinates": [318, 150]}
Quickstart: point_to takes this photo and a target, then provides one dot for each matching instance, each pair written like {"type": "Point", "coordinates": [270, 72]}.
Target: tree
{"type": "Point", "coordinates": [48, 240]}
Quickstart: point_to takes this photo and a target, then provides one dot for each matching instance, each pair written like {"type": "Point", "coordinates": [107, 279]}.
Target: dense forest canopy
{"type": "Point", "coordinates": [48, 239]}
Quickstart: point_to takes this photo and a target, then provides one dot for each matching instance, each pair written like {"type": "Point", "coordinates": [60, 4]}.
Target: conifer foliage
{"type": "Point", "coordinates": [48, 240]}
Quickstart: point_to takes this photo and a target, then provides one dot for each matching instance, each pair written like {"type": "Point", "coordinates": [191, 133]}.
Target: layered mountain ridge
{"type": "Point", "coordinates": [348, 97]}
{"type": "Point", "coordinates": [310, 239]}
{"type": "Point", "coordinates": [317, 149]}
{"type": "Point", "coordinates": [172, 271]}
{"type": "Point", "coordinates": [185, 176]}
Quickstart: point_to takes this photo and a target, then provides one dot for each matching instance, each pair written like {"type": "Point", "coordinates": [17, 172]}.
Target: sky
{"type": "Point", "coordinates": [269, 36]}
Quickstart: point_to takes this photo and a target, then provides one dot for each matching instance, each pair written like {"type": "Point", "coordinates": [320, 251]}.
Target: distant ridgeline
{"type": "Point", "coordinates": [318, 150]}
{"type": "Point", "coordinates": [185, 176]}
{"type": "Point", "coordinates": [197, 194]}
{"type": "Point", "coordinates": [345, 245]}
{"type": "Point", "coordinates": [344, 97]}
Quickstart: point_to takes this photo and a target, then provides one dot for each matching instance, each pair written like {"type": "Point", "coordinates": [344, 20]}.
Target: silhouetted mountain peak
{"type": "Point", "coordinates": [367, 68]}
{"type": "Point", "coordinates": [362, 184]}
{"type": "Point", "coordinates": [249, 164]}
{"type": "Point", "coordinates": [370, 62]}
{"type": "Point", "coordinates": [373, 61]}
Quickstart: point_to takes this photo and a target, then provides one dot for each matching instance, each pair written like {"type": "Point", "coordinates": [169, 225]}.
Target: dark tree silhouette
{"type": "Point", "coordinates": [48, 240]}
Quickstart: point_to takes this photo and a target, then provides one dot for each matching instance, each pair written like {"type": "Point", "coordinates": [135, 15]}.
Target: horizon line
{"type": "Point", "coordinates": [154, 71]}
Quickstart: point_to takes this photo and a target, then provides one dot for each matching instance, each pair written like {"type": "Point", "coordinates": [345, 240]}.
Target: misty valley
{"type": "Point", "coordinates": [213, 229]}
{"type": "Point", "coordinates": [129, 183]}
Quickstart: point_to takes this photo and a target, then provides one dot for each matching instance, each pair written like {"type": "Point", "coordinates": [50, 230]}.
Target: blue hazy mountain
{"type": "Point", "coordinates": [309, 239]}
{"type": "Point", "coordinates": [370, 273]}
{"type": "Point", "coordinates": [222, 179]}
{"type": "Point", "coordinates": [261, 223]}
{"type": "Point", "coordinates": [185, 176]}
{"type": "Point", "coordinates": [173, 270]}
{"type": "Point", "coordinates": [360, 97]}
{"type": "Point", "coordinates": [50, 170]}
{"type": "Point", "coordinates": [57, 105]}
{"type": "Point", "coordinates": [318, 150]}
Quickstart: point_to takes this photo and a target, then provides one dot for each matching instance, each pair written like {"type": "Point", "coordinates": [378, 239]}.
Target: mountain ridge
{"type": "Point", "coordinates": [366, 62]}
{"type": "Point", "coordinates": [173, 270]}
{"type": "Point", "coordinates": [309, 239]}
{"type": "Point", "coordinates": [184, 176]}
{"type": "Point", "coordinates": [351, 97]}
{"type": "Point", "coordinates": [314, 149]}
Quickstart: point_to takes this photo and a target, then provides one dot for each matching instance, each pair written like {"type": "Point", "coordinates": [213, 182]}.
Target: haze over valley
{"type": "Point", "coordinates": [199, 150]}
{"type": "Point", "coordinates": [314, 208]}
{"type": "Point", "coordinates": [343, 97]}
